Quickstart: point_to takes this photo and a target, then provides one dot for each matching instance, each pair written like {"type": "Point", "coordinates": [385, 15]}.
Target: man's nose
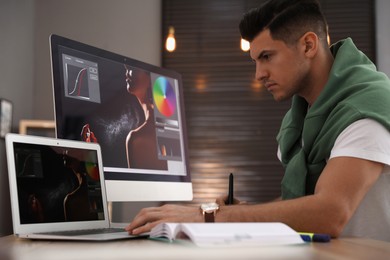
{"type": "Point", "coordinates": [261, 73]}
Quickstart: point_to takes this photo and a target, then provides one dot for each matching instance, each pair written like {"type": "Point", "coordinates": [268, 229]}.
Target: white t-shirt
{"type": "Point", "coordinates": [367, 139]}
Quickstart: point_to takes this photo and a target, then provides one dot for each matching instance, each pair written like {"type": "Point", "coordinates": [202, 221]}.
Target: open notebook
{"type": "Point", "coordinates": [229, 234]}
{"type": "Point", "coordinates": [57, 189]}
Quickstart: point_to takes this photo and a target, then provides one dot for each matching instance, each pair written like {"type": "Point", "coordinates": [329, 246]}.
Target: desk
{"type": "Point", "coordinates": [12, 248]}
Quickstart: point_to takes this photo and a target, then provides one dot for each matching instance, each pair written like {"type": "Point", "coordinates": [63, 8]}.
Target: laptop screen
{"type": "Point", "coordinates": [57, 184]}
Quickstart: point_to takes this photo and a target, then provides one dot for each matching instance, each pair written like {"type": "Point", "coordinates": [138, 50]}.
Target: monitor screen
{"type": "Point", "coordinates": [133, 110]}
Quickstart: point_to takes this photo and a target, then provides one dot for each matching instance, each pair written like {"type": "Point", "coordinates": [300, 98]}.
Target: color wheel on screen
{"type": "Point", "coordinates": [164, 97]}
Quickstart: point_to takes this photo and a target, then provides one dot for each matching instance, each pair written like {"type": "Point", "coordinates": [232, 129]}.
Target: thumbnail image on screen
{"type": "Point", "coordinates": [57, 184]}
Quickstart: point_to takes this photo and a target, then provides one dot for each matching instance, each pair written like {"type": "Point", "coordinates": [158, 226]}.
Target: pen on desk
{"type": "Point", "coordinates": [313, 237]}
{"type": "Point", "coordinates": [231, 190]}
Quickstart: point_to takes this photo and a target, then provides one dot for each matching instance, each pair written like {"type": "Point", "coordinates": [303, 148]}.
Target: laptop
{"type": "Point", "coordinates": [57, 190]}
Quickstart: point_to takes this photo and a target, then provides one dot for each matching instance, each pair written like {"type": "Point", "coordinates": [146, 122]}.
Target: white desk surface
{"type": "Point", "coordinates": [13, 248]}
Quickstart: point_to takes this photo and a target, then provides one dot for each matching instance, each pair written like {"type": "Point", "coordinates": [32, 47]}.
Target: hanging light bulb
{"type": "Point", "coordinates": [170, 43]}
{"type": "Point", "coordinates": [245, 45]}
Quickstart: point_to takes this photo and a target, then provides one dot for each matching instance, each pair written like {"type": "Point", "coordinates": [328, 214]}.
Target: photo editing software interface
{"type": "Point", "coordinates": [133, 110]}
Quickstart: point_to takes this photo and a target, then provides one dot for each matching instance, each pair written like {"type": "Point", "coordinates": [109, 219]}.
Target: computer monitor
{"type": "Point", "coordinates": [134, 110]}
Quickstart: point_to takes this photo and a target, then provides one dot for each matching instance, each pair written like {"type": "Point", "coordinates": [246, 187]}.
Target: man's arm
{"type": "Point", "coordinates": [339, 190]}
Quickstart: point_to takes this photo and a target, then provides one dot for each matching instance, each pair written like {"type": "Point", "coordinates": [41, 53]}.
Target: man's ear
{"type": "Point", "coordinates": [310, 44]}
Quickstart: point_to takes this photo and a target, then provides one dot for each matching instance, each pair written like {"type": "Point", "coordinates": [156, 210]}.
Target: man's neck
{"type": "Point", "coordinates": [319, 76]}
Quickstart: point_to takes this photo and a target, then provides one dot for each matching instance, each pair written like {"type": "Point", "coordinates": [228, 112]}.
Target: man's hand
{"type": "Point", "coordinates": [148, 218]}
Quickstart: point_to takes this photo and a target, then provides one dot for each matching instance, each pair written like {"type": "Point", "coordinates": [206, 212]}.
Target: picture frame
{"type": "Point", "coordinates": [6, 110]}
{"type": "Point", "coordinates": [37, 127]}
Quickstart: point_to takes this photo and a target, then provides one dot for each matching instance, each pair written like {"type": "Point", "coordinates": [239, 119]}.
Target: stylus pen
{"type": "Point", "coordinates": [231, 190]}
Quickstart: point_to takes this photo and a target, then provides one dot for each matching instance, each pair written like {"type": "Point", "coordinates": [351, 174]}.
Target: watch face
{"type": "Point", "coordinates": [209, 207]}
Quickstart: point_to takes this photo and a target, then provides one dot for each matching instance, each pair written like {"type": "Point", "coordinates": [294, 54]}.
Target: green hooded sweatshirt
{"type": "Point", "coordinates": [355, 90]}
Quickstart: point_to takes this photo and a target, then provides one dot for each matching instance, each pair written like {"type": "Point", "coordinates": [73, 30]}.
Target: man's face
{"type": "Point", "coordinates": [280, 68]}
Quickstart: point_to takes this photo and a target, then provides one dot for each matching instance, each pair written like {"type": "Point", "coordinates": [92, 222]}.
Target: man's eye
{"type": "Point", "coordinates": [266, 57]}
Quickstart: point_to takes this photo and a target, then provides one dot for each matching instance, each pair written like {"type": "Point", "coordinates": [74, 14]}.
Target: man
{"type": "Point", "coordinates": [334, 142]}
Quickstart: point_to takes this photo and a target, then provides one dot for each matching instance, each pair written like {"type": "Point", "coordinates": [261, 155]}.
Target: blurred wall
{"type": "Point", "coordinates": [17, 80]}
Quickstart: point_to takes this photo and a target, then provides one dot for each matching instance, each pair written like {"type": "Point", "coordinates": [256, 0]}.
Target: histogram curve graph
{"type": "Point", "coordinates": [77, 82]}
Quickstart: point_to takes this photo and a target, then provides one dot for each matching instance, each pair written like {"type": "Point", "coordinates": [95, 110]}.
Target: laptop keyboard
{"type": "Point", "coordinates": [85, 232]}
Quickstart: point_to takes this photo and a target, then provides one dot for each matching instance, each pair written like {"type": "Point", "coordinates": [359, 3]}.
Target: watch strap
{"type": "Point", "coordinates": [209, 217]}
{"type": "Point", "coordinates": [209, 211]}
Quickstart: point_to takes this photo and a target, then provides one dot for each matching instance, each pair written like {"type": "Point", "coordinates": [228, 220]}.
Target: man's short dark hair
{"type": "Point", "coordinates": [287, 20]}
